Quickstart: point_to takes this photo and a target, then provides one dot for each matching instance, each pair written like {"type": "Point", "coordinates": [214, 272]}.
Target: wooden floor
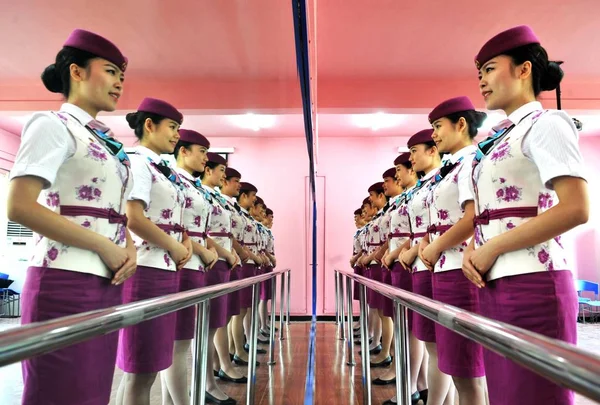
{"type": "Point", "coordinates": [284, 384]}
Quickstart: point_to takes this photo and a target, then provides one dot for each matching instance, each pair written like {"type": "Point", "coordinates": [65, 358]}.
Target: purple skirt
{"type": "Point", "coordinates": [545, 303]}
{"type": "Point", "coordinates": [65, 376]}
{"type": "Point", "coordinates": [386, 303]}
{"type": "Point", "coordinates": [423, 328]}
{"type": "Point", "coordinates": [266, 290]}
{"type": "Point", "coordinates": [248, 270]}
{"type": "Point", "coordinates": [148, 346]}
{"type": "Point", "coordinates": [457, 355]}
{"type": "Point", "coordinates": [400, 278]}
{"type": "Point", "coordinates": [233, 298]}
{"type": "Point", "coordinates": [356, 287]}
{"type": "Point", "coordinates": [375, 299]}
{"type": "Point", "coordinates": [219, 274]}
{"type": "Point", "coordinates": [186, 318]}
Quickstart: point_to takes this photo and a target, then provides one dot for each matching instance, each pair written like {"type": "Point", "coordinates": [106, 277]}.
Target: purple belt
{"type": "Point", "coordinates": [250, 244]}
{"type": "Point", "coordinates": [489, 215]}
{"type": "Point", "coordinates": [400, 235]}
{"type": "Point", "coordinates": [171, 228]}
{"type": "Point", "coordinates": [220, 234]}
{"type": "Point", "coordinates": [418, 235]}
{"type": "Point", "coordinates": [375, 244]}
{"type": "Point", "coordinates": [75, 211]}
{"type": "Point", "coordinates": [197, 234]}
{"type": "Point", "coordinates": [441, 229]}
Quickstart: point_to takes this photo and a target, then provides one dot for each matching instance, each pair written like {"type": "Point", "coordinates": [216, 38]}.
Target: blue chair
{"type": "Point", "coordinates": [591, 305]}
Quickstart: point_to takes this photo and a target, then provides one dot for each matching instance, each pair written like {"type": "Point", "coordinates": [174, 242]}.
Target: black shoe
{"type": "Point", "coordinates": [225, 377]}
{"type": "Point", "coordinates": [265, 333]}
{"type": "Point", "coordinates": [242, 362]}
{"type": "Point", "coordinates": [423, 396]}
{"type": "Point", "coordinates": [258, 349]}
{"type": "Point", "coordinates": [262, 342]}
{"type": "Point", "coordinates": [215, 373]}
{"type": "Point", "coordinates": [379, 381]}
{"type": "Point", "coordinates": [231, 356]}
{"type": "Point", "coordinates": [357, 342]}
{"type": "Point", "coordinates": [212, 400]}
{"type": "Point", "coordinates": [384, 363]}
{"type": "Point", "coordinates": [375, 350]}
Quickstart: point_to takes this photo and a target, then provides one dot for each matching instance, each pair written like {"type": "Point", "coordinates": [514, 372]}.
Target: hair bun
{"type": "Point", "coordinates": [551, 77]}
{"type": "Point", "coordinates": [478, 119]}
{"type": "Point", "coordinates": [51, 79]}
{"type": "Point", "coordinates": [132, 119]}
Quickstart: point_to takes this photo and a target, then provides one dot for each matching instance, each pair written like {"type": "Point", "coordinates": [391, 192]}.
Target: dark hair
{"type": "Point", "coordinates": [57, 76]}
{"type": "Point", "coordinates": [211, 165]}
{"type": "Point", "coordinates": [246, 192]}
{"type": "Point", "coordinates": [474, 120]}
{"type": "Point", "coordinates": [546, 75]}
{"type": "Point", "coordinates": [136, 121]}
{"type": "Point", "coordinates": [181, 144]}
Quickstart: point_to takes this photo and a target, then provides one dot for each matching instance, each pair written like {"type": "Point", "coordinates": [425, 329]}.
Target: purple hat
{"type": "Point", "coordinates": [505, 41]}
{"type": "Point", "coordinates": [193, 137]}
{"type": "Point", "coordinates": [247, 188]}
{"type": "Point", "coordinates": [216, 158]}
{"type": "Point", "coordinates": [162, 108]}
{"type": "Point", "coordinates": [260, 201]}
{"type": "Point", "coordinates": [402, 159]}
{"type": "Point", "coordinates": [366, 201]}
{"type": "Point", "coordinates": [97, 45]}
{"type": "Point", "coordinates": [454, 105]}
{"type": "Point", "coordinates": [390, 173]}
{"type": "Point", "coordinates": [269, 211]}
{"type": "Point", "coordinates": [231, 172]}
{"type": "Point", "coordinates": [420, 137]}
{"type": "Point", "coordinates": [358, 211]}
{"type": "Point", "coordinates": [376, 188]}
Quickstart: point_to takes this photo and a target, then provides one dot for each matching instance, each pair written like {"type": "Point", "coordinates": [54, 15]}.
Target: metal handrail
{"type": "Point", "coordinates": [38, 338]}
{"type": "Point", "coordinates": [561, 362]}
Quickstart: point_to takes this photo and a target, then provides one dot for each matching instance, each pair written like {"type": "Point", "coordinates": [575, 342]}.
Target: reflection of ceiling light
{"type": "Point", "coordinates": [376, 121]}
{"type": "Point", "coordinates": [253, 121]}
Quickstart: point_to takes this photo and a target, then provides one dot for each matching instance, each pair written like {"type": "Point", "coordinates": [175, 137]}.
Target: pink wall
{"type": "Point", "coordinates": [278, 168]}
{"type": "Point", "coordinates": [10, 145]}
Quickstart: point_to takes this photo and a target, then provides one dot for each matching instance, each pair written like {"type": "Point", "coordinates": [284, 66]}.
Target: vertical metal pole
{"type": "Point", "coordinates": [281, 301]}
{"type": "Point", "coordinates": [273, 282]}
{"type": "Point", "coordinates": [342, 326]}
{"type": "Point", "coordinates": [289, 276]}
{"type": "Point", "coordinates": [200, 354]}
{"type": "Point", "coordinates": [337, 298]}
{"type": "Point", "coordinates": [364, 344]}
{"type": "Point", "coordinates": [349, 337]}
{"type": "Point", "coordinates": [402, 354]}
{"type": "Point", "coordinates": [253, 343]}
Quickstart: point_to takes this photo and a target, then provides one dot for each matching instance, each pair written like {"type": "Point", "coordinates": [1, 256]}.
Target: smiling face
{"type": "Point", "coordinates": [195, 157]}
{"type": "Point", "coordinates": [232, 187]}
{"type": "Point", "coordinates": [214, 177]}
{"type": "Point", "coordinates": [161, 137]}
{"type": "Point", "coordinates": [97, 87]}
{"type": "Point", "coordinates": [422, 157]}
{"type": "Point", "coordinates": [505, 85]}
{"type": "Point", "coordinates": [449, 137]}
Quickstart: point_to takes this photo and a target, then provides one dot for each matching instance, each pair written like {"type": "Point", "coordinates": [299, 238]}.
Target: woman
{"type": "Point", "coordinates": [190, 154]}
{"type": "Point", "coordinates": [425, 158]}
{"type": "Point", "coordinates": [84, 252]}
{"type": "Point", "coordinates": [400, 234]}
{"type": "Point", "coordinates": [455, 123]}
{"type": "Point", "coordinates": [529, 190]}
{"type": "Point", "coordinates": [219, 231]}
{"type": "Point", "coordinates": [155, 210]}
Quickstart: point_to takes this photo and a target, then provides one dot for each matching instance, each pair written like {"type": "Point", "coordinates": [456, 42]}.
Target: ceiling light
{"type": "Point", "coordinates": [252, 121]}
{"type": "Point", "coordinates": [376, 121]}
